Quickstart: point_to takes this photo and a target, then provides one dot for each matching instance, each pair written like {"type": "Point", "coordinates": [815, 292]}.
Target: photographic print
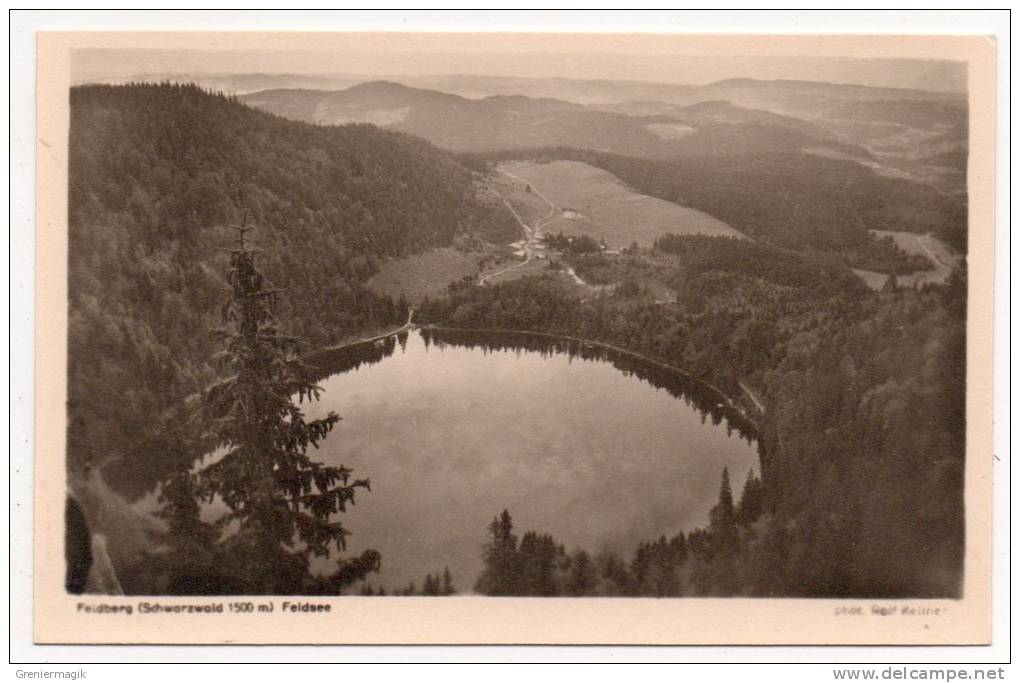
{"type": "Point", "coordinates": [391, 325]}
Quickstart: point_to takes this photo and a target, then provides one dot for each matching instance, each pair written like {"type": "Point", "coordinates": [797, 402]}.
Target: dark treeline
{"type": "Point", "coordinates": [707, 400]}
{"type": "Point", "coordinates": [726, 324]}
{"type": "Point", "coordinates": [434, 585]}
{"type": "Point", "coordinates": [695, 393]}
{"type": "Point", "coordinates": [863, 430]}
{"type": "Point", "coordinates": [158, 174]}
{"type": "Point", "coordinates": [349, 357]}
{"type": "Point", "coordinates": [574, 244]}
{"type": "Point", "coordinates": [775, 265]}
{"type": "Point", "coordinates": [792, 199]}
{"type": "Point", "coordinates": [719, 560]}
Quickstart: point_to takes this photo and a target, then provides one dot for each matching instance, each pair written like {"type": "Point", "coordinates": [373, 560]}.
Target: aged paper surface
{"type": "Point", "coordinates": [274, 619]}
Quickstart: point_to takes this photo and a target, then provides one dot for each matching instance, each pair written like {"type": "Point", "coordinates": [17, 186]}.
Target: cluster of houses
{"type": "Point", "coordinates": [538, 249]}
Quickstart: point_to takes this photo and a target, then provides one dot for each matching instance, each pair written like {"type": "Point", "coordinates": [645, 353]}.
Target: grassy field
{"type": "Point", "coordinates": [535, 267]}
{"type": "Point", "coordinates": [942, 259]}
{"type": "Point", "coordinates": [528, 205]}
{"type": "Point", "coordinates": [426, 274]}
{"type": "Point", "coordinates": [928, 246]}
{"type": "Point", "coordinates": [543, 267]}
{"type": "Point", "coordinates": [917, 278]}
{"type": "Point", "coordinates": [607, 208]}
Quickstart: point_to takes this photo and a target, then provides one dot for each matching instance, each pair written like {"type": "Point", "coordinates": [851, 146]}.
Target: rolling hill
{"type": "Point", "coordinates": [910, 134]}
{"type": "Point", "coordinates": [500, 122]}
{"type": "Point", "coordinates": [914, 134]}
{"type": "Point", "coordinates": [460, 124]}
{"type": "Point", "coordinates": [920, 135]}
{"type": "Point", "coordinates": [791, 199]}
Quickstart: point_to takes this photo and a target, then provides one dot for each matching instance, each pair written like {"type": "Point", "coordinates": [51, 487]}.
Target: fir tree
{"type": "Point", "coordinates": [186, 559]}
{"type": "Point", "coordinates": [655, 566]}
{"type": "Point", "coordinates": [537, 556]}
{"type": "Point", "coordinates": [501, 574]}
{"type": "Point", "coordinates": [285, 505]}
{"type": "Point", "coordinates": [722, 515]}
{"type": "Point", "coordinates": [614, 571]}
{"type": "Point", "coordinates": [725, 541]}
{"type": "Point", "coordinates": [752, 500]}
{"type": "Point", "coordinates": [448, 588]}
{"type": "Point", "coordinates": [582, 578]}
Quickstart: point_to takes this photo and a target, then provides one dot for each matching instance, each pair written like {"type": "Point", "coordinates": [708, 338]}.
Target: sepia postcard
{"type": "Point", "coordinates": [421, 338]}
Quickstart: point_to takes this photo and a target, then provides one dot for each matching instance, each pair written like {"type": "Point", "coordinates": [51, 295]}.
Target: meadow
{"type": "Point", "coordinates": [607, 209]}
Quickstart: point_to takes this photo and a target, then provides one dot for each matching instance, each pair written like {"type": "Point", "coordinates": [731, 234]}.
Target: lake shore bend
{"type": "Point", "coordinates": [745, 414]}
{"type": "Point", "coordinates": [718, 391]}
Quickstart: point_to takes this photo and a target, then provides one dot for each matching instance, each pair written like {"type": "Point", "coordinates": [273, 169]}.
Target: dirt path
{"type": "Point", "coordinates": [931, 254]}
{"type": "Point", "coordinates": [397, 330]}
{"type": "Point", "coordinates": [577, 278]}
{"type": "Point", "coordinates": [751, 395]}
{"type": "Point", "coordinates": [533, 188]}
{"type": "Point", "coordinates": [526, 261]}
{"type": "Point", "coordinates": [532, 233]}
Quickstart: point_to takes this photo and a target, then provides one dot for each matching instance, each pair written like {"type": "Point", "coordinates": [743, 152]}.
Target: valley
{"type": "Point", "coordinates": [569, 310]}
{"type": "Point", "coordinates": [593, 202]}
{"type": "Point", "coordinates": [429, 273]}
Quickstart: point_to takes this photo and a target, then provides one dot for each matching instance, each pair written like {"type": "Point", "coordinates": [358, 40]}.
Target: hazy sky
{"type": "Point", "coordinates": [657, 63]}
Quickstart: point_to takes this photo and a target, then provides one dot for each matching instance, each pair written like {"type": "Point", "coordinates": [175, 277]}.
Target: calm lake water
{"type": "Point", "coordinates": [597, 449]}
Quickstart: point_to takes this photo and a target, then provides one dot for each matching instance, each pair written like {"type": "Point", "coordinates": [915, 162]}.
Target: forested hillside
{"type": "Point", "coordinates": [460, 124]}
{"type": "Point", "coordinates": [158, 174]}
{"type": "Point", "coordinates": [862, 432]}
{"type": "Point", "coordinates": [517, 122]}
{"type": "Point", "coordinates": [791, 199]}
{"type": "Point", "coordinates": [857, 396]}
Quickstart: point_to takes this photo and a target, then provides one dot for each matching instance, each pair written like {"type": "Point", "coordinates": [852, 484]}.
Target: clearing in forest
{"type": "Point", "coordinates": [943, 259]}
{"type": "Point", "coordinates": [425, 274]}
{"type": "Point", "coordinates": [591, 201]}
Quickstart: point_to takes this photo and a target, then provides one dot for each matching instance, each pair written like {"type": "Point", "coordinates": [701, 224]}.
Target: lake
{"type": "Point", "coordinates": [595, 447]}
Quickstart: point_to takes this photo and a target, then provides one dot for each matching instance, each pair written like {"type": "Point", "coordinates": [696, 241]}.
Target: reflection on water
{"type": "Point", "coordinates": [593, 446]}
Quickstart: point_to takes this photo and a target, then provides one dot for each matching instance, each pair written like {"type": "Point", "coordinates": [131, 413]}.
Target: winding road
{"type": "Point", "coordinates": [533, 233]}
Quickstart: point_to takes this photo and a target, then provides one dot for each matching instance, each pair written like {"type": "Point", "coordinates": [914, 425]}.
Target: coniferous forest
{"type": "Point", "coordinates": [215, 251]}
{"type": "Point", "coordinates": [158, 175]}
{"type": "Point", "coordinates": [865, 394]}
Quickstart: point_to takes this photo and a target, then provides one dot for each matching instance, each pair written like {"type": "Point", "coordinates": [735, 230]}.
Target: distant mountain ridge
{"type": "Point", "coordinates": [515, 121]}
{"type": "Point", "coordinates": [579, 90]}
{"type": "Point", "coordinates": [461, 124]}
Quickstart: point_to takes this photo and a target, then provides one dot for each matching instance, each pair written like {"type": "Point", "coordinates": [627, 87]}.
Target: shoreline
{"type": "Point", "coordinates": [365, 340]}
{"type": "Point", "coordinates": [752, 419]}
